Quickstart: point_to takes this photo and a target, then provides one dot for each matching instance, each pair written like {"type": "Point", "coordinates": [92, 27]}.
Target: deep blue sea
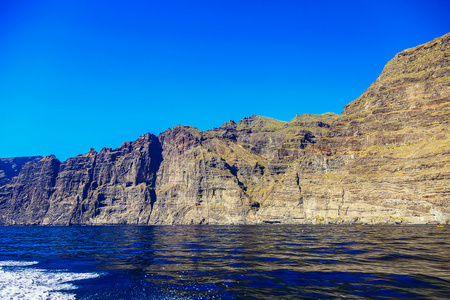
{"type": "Point", "coordinates": [225, 262]}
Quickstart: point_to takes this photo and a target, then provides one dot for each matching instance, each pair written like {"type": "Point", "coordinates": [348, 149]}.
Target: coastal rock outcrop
{"type": "Point", "coordinates": [385, 159]}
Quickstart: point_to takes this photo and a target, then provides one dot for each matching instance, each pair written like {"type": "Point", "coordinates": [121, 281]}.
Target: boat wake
{"type": "Point", "coordinates": [20, 280]}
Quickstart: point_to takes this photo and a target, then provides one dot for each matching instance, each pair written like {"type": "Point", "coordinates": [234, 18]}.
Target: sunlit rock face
{"type": "Point", "coordinates": [385, 159]}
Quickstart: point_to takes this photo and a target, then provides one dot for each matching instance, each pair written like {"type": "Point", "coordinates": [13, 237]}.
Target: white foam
{"type": "Point", "coordinates": [13, 263]}
{"type": "Point", "coordinates": [19, 281]}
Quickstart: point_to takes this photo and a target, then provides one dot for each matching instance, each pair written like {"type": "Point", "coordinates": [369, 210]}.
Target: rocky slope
{"type": "Point", "coordinates": [385, 159]}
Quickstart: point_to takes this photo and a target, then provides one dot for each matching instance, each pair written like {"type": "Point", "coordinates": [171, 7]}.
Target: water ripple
{"type": "Point", "coordinates": [235, 262]}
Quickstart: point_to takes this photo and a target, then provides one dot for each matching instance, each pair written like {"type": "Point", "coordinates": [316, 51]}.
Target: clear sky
{"type": "Point", "coordinates": [79, 74]}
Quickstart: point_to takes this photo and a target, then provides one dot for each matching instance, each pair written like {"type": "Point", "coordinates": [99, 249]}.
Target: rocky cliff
{"type": "Point", "coordinates": [385, 159]}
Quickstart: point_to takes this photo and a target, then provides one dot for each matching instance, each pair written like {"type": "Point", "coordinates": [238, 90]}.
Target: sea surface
{"type": "Point", "coordinates": [225, 262]}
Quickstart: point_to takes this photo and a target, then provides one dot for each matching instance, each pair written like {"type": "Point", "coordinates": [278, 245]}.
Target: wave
{"type": "Point", "coordinates": [18, 280]}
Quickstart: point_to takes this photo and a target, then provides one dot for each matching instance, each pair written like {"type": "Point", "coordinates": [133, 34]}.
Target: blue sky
{"type": "Point", "coordinates": [82, 74]}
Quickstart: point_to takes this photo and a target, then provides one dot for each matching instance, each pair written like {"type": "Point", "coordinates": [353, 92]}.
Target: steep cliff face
{"type": "Point", "coordinates": [110, 187]}
{"type": "Point", "coordinates": [397, 136]}
{"type": "Point", "coordinates": [384, 160]}
{"type": "Point", "coordinates": [407, 103]}
{"type": "Point", "coordinates": [236, 174]}
{"type": "Point", "coordinates": [26, 197]}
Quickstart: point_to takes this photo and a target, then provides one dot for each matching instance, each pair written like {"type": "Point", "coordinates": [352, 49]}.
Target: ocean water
{"type": "Point", "coordinates": [225, 262]}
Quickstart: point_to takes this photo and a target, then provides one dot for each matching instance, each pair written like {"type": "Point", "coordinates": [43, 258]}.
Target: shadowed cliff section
{"type": "Point", "coordinates": [384, 160]}
{"type": "Point", "coordinates": [109, 187]}
{"type": "Point", "coordinates": [10, 167]}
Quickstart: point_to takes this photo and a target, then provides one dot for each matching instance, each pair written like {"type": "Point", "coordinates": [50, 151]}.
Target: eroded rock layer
{"type": "Point", "coordinates": [385, 159]}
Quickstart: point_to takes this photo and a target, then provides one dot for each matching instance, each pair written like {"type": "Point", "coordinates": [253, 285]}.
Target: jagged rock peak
{"type": "Point", "coordinates": [228, 125]}
{"type": "Point", "coordinates": [247, 120]}
{"type": "Point", "coordinates": [146, 137]}
{"type": "Point", "coordinates": [105, 150]}
{"type": "Point", "coordinates": [49, 157]}
{"type": "Point", "coordinates": [92, 152]}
